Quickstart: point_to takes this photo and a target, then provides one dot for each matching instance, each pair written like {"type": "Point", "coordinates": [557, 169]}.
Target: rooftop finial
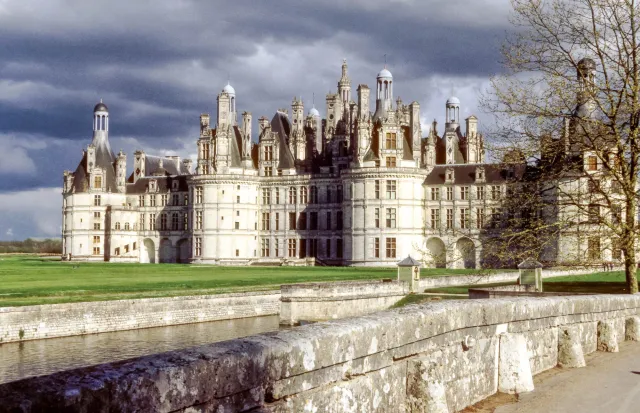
{"type": "Point", "coordinates": [385, 60]}
{"type": "Point", "coordinates": [314, 99]}
{"type": "Point", "coordinates": [100, 100]}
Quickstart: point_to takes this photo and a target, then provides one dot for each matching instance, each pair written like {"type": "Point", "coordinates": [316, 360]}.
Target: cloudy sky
{"type": "Point", "coordinates": [158, 64]}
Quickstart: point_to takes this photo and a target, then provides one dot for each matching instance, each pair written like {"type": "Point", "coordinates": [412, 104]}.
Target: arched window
{"type": "Point", "coordinates": [126, 226]}
{"type": "Point", "coordinates": [117, 226]}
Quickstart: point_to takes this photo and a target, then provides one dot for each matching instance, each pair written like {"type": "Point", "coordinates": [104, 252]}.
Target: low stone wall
{"type": "Point", "coordinates": [58, 320]}
{"type": "Point", "coordinates": [435, 357]}
{"type": "Point", "coordinates": [515, 291]}
{"type": "Point", "coordinates": [494, 278]}
{"type": "Point", "coordinates": [327, 301]}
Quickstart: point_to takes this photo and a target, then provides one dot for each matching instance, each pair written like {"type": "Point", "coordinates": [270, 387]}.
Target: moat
{"type": "Point", "coordinates": [38, 357]}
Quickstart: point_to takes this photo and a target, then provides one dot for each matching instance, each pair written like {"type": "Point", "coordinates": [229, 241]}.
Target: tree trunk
{"type": "Point", "coordinates": [630, 266]}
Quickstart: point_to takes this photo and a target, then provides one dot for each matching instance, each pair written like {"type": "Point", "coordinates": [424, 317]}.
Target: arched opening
{"type": "Point", "coordinates": [148, 252]}
{"type": "Point", "coordinates": [465, 253]}
{"type": "Point", "coordinates": [166, 251]}
{"type": "Point", "coordinates": [436, 253]}
{"type": "Point", "coordinates": [183, 251]}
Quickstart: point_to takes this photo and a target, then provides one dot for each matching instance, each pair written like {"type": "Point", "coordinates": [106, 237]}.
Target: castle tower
{"type": "Point", "coordinates": [246, 140]}
{"type": "Point", "coordinates": [452, 115]}
{"type": "Point", "coordinates": [384, 91]}
{"type": "Point", "coordinates": [298, 148]}
{"type": "Point", "coordinates": [314, 123]}
{"type": "Point", "coordinates": [121, 172]}
{"type": "Point", "coordinates": [344, 88]}
{"type": "Point", "coordinates": [474, 141]}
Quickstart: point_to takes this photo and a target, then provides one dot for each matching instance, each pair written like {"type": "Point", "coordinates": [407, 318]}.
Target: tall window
{"type": "Point", "coordinates": [293, 196]}
{"type": "Point", "coordinates": [314, 221]}
{"type": "Point", "coordinates": [277, 195]}
{"type": "Point", "coordinates": [185, 199]}
{"type": "Point", "coordinates": [592, 163]}
{"type": "Point", "coordinates": [176, 199]}
{"type": "Point", "coordinates": [268, 153]}
{"type": "Point", "coordinates": [328, 220]}
{"type": "Point", "coordinates": [377, 189]}
{"type": "Point", "coordinates": [96, 225]}
{"type": "Point", "coordinates": [268, 171]}
{"type": "Point", "coordinates": [314, 194]}
{"type": "Point", "coordinates": [199, 194]}
{"type": "Point", "coordinates": [480, 192]}
{"type": "Point", "coordinates": [185, 221]}
{"type": "Point", "coordinates": [152, 222]}
{"type": "Point", "coordinates": [495, 192]}
{"type": "Point", "coordinates": [198, 249]}
{"type": "Point", "coordinates": [264, 250]}
{"type": "Point", "coordinates": [142, 222]}
{"type": "Point", "coordinates": [302, 222]}
{"type": "Point", "coordinates": [449, 218]}
{"type": "Point", "coordinates": [163, 199]}
{"type": "Point", "coordinates": [449, 193]}
{"type": "Point", "coordinates": [266, 224]}
{"type": "Point", "coordinates": [376, 215]}
{"type": "Point", "coordinates": [376, 248]}
{"type": "Point", "coordinates": [327, 248]}
{"type": "Point", "coordinates": [339, 220]}
{"type": "Point", "coordinates": [141, 200]}
{"type": "Point", "coordinates": [205, 150]}
{"type": "Point", "coordinates": [339, 193]}
{"type": "Point", "coordinates": [391, 161]}
{"type": "Point", "coordinates": [292, 248]}
{"type": "Point", "coordinates": [175, 221]}
{"type": "Point", "coordinates": [616, 214]}
{"type": "Point", "coordinates": [117, 226]}
{"type": "Point", "coordinates": [495, 217]}
{"type": "Point", "coordinates": [435, 194]}
{"type": "Point", "coordinates": [390, 141]}
{"type": "Point", "coordinates": [391, 247]}
{"type": "Point", "coordinates": [593, 248]}
{"type": "Point", "coordinates": [96, 250]}
{"type": "Point", "coordinates": [479, 218]}
{"type": "Point", "coordinates": [464, 218]}
{"type": "Point", "coordinates": [266, 196]}
{"type": "Point", "coordinates": [96, 239]}
{"type": "Point", "coordinates": [292, 220]}
{"type": "Point", "coordinates": [391, 189]}
{"type": "Point", "coordinates": [97, 182]}
{"type": "Point", "coordinates": [328, 194]}
{"type": "Point", "coordinates": [464, 193]}
{"type": "Point", "coordinates": [97, 200]}
{"type": "Point", "coordinates": [594, 213]}
{"type": "Point", "coordinates": [391, 217]}
{"type": "Point", "coordinates": [198, 219]}
{"type": "Point", "coordinates": [339, 248]}
{"type": "Point", "coordinates": [277, 221]}
{"type": "Point", "coordinates": [152, 200]}
{"type": "Point", "coordinates": [163, 222]}
{"type": "Point", "coordinates": [276, 246]}
{"type": "Point", "coordinates": [435, 218]}
{"type": "Point", "coordinates": [304, 195]}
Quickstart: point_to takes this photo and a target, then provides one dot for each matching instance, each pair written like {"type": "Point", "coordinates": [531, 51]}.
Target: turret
{"type": "Point", "coordinates": [246, 139]}
{"type": "Point", "coordinates": [452, 117]}
{"type": "Point", "coordinates": [363, 101]}
{"type": "Point", "coordinates": [416, 130]}
{"type": "Point", "coordinates": [263, 123]}
{"type": "Point", "coordinates": [139, 161]}
{"type": "Point", "coordinates": [121, 172]}
{"type": "Point", "coordinates": [298, 137]}
{"type": "Point", "coordinates": [384, 93]}
{"type": "Point", "coordinates": [344, 88]}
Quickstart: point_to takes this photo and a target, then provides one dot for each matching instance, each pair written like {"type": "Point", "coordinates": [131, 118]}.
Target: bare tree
{"type": "Point", "coordinates": [569, 101]}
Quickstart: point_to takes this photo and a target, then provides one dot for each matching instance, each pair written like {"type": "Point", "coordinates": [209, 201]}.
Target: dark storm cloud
{"type": "Point", "coordinates": [158, 64]}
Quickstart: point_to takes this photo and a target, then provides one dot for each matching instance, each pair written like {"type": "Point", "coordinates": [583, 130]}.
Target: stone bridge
{"type": "Point", "coordinates": [436, 357]}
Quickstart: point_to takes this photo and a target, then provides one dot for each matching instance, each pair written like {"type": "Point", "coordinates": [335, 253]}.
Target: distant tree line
{"type": "Point", "coordinates": [32, 246]}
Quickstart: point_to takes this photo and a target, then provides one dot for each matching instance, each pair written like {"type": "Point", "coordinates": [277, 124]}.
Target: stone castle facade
{"type": "Point", "coordinates": [362, 187]}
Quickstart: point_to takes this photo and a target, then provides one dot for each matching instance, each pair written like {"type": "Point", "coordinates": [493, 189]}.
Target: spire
{"type": "Point", "coordinates": [344, 70]}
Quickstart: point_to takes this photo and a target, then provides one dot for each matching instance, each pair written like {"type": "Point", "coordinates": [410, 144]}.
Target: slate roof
{"type": "Point", "coordinates": [105, 159]}
{"type": "Point", "coordinates": [164, 183]}
{"type": "Point", "coordinates": [408, 262]}
{"type": "Point", "coordinates": [172, 166]}
{"type": "Point", "coordinates": [234, 150]}
{"type": "Point", "coordinates": [407, 146]}
{"type": "Point", "coordinates": [280, 124]}
{"type": "Point", "coordinates": [466, 173]}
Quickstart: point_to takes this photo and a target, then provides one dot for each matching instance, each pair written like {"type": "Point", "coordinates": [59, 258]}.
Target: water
{"type": "Point", "coordinates": [38, 357]}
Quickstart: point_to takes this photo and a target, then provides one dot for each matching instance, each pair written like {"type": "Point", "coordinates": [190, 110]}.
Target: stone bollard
{"type": "Point", "coordinates": [570, 354]}
{"type": "Point", "coordinates": [632, 329]}
{"type": "Point", "coordinates": [607, 336]}
{"type": "Point", "coordinates": [426, 391]}
{"type": "Point", "coordinates": [514, 370]}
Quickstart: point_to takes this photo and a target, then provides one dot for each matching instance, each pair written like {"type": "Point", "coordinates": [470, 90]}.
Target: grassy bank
{"type": "Point", "coordinates": [30, 280]}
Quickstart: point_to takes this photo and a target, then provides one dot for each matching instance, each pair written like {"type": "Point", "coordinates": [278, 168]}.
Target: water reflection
{"type": "Point", "coordinates": [37, 357]}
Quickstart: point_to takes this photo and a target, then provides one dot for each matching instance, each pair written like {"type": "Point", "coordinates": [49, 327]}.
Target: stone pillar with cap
{"type": "Point", "coordinates": [409, 271]}
{"type": "Point", "coordinates": [530, 273]}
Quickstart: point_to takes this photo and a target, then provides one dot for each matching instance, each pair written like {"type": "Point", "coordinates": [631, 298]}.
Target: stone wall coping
{"type": "Point", "coordinates": [336, 284]}
{"type": "Point", "coordinates": [177, 380]}
{"type": "Point", "coordinates": [150, 300]}
{"type": "Point", "coordinates": [343, 297]}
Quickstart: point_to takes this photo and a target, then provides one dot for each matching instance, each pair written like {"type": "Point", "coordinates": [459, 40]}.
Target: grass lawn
{"type": "Point", "coordinates": [30, 280]}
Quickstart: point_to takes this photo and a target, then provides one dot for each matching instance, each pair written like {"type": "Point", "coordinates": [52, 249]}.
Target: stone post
{"type": "Point", "coordinates": [632, 329]}
{"type": "Point", "coordinates": [426, 392]}
{"type": "Point", "coordinates": [514, 370]}
{"type": "Point", "coordinates": [607, 336]}
{"type": "Point", "coordinates": [570, 354]}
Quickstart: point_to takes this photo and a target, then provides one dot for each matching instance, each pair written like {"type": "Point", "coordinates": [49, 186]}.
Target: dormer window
{"type": "Point", "coordinates": [449, 176]}
{"type": "Point", "coordinates": [480, 175]}
{"type": "Point", "coordinates": [97, 182]}
{"type": "Point", "coordinates": [153, 186]}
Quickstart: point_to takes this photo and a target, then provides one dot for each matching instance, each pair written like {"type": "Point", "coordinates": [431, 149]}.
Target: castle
{"type": "Point", "coordinates": [360, 187]}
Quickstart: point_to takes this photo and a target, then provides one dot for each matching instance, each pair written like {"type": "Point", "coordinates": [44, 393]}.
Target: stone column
{"type": "Point", "coordinates": [632, 329]}
{"type": "Point", "coordinates": [514, 370]}
{"type": "Point", "coordinates": [570, 353]}
{"type": "Point", "coordinates": [426, 392]}
{"type": "Point", "coordinates": [607, 336]}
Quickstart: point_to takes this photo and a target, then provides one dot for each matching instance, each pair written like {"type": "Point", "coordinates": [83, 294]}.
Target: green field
{"type": "Point", "coordinates": [30, 280]}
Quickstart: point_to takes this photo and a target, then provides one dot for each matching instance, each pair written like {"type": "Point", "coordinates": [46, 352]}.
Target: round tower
{"type": "Point", "coordinates": [384, 93]}
{"type": "Point", "coordinates": [452, 115]}
{"type": "Point", "coordinates": [100, 118]}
